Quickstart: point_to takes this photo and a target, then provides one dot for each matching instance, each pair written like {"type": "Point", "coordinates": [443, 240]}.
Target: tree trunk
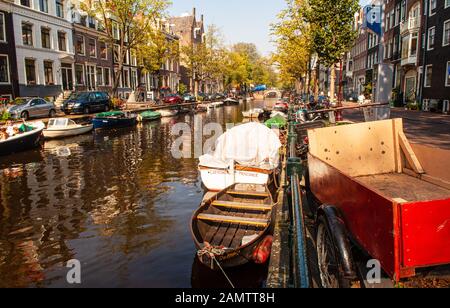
{"type": "Point", "coordinates": [332, 83]}
{"type": "Point", "coordinates": [316, 82]}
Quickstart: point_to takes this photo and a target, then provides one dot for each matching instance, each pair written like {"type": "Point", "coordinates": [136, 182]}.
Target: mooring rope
{"type": "Point", "coordinates": [212, 252]}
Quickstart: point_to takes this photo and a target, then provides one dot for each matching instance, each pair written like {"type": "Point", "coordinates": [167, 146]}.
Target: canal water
{"type": "Point", "coordinates": [118, 202]}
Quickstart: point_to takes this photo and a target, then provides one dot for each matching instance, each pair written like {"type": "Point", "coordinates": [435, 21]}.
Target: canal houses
{"type": "Point", "coordinates": [93, 55]}
{"type": "Point", "coordinates": [9, 86]}
{"type": "Point", "coordinates": [44, 49]}
{"type": "Point", "coordinates": [436, 83]}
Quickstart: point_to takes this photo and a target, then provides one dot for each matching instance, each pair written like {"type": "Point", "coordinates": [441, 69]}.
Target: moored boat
{"type": "Point", "coordinates": [64, 127]}
{"type": "Point", "coordinates": [149, 116]}
{"type": "Point", "coordinates": [253, 113]}
{"type": "Point", "coordinates": [216, 104]}
{"type": "Point", "coordinates": [234, 227]}
{"type": "Point", "coordinates": [114, 119]}
{"type": "Point", "coordinates": [166, 113]}
{"type": "Point", "coordinates": [246, 154]}
{"type": "Point", "coordinates": [230, 102]}
{"type": "Point", "coordinates": [26, 136]}
{"type": "Point", "coordinates": [201, 108]}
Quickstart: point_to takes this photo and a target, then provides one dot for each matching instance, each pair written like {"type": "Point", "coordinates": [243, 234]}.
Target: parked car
{"type": "Point", "coordinates": [173, 99]}
{"type": "Point", "coordinates": [87, 102]}
{"type": "Point", "coordinates": [31, 107]}
{"type": "Point", "coordinates": [189, 98]}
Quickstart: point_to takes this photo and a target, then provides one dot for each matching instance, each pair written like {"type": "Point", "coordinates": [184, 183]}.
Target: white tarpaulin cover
{"type": "Point", "coordinates": [249, 145]}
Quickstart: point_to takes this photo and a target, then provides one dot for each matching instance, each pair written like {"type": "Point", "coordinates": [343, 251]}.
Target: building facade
{"type": "Point", "coordinates": [43, 40]}
{"type": "Point", "coordinates": [93, 56]}
{"type": "Point", "coordinates": [436, 59]}
{"type": "Point", "coordinates": [191, 32]}
{"type": "Point", "coordinates": [9, 86]}
{"type": "Point", "coordinates": [358, 56]}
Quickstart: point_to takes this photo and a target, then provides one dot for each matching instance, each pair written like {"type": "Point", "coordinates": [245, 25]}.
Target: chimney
{"type": "Point", "coordinates": [194, 11]}
{"type": "Point", "coordinates": [202, 18]}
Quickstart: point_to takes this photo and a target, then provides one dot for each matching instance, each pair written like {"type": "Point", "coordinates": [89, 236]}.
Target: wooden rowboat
{"type": "Point", "coordinates": [229, 228]}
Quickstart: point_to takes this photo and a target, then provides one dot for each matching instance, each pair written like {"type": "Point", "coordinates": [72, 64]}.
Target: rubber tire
{"type": "Point", "coordinates": [323, 226]}
{"type": "Point", "coordinates": [86, 110]}
{"type": "Point", "coordinates": [52, 113]}
{"type": "Point", "coordinates": [25, 115]}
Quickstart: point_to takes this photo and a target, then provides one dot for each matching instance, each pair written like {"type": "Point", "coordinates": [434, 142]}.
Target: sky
{"type": "Point", "coordinates": [239, 20]}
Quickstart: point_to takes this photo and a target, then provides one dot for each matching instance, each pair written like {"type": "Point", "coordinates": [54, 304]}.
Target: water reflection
{"type": "Point", "coordinates": [115, 200]}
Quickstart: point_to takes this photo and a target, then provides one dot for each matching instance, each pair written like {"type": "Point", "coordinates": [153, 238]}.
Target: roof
{"type": "Point", "coordinates": [182, 23]}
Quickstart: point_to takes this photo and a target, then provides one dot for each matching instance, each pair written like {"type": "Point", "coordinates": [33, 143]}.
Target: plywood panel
{"type": "Point", "coordinates": [435, 161]}
{"type": "Point", "coordinates": [358, 149]}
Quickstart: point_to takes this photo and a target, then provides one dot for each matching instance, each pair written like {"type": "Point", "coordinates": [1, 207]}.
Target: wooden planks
{"type": "Point", "coordinates": [234, 220]}
{"type": "Point", "coordinates": [248, 193]}
{"type": "Point", "coordinates": [242, 206]}
{"type": "Point", "coordinates": [410, 156]}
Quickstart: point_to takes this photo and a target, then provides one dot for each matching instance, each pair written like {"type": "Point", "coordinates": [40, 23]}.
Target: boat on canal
{"type": "Point", "coordinates": [234, 227]}
{"type": "Point", "coordinates": [114, 119]}
{"type": "Point", "coordinates": [26, 136]}
{"type": "Point", "coordinates": [231, 102]}
{"type": "Point", "coordinates": [167, 113]}
{"type": "Point", "coordinates": [245, 154]}
{"type": "Point", "coordinates": [64, 127]}
{"type": "Point", "coordinates": [215, 105]}
{"type": "Point", "coordinates": [149, 116]}
{"type": "Point", "coordinates": [253, 113]}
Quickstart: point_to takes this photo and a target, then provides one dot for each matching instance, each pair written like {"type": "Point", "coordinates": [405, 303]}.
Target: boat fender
{"type": "Point", "coordinates": [262, 252]}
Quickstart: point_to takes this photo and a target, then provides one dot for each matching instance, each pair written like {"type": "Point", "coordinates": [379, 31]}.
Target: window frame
{"type": "Point", "coordinates": [425, 76]}
{"type": "Point", "coordinates": [429, 40]}
{"type": "Point", "coordinates": [95, 47]}
{"type": "Point", "coordinates": [447, 75]}
{"type": "Point", "coordinates": [65, 41]}
{"type": "Point", "coordinates": [52, 82]}
{"type": "Point", "coordinates": [31, 34]}
{"type": "Point", "coordinates": [3, 28]}
{"type": "Point", "coordinates": [83, 77]}
{"type": "Point", "coordinates": [48, 31]}
{"type": "Point", "coordinates": [443, 33]}
{"type": "Point", "coordinates": [8, 70]}
{"type": "Point", "coordinates": [430, 8]}
{"type": "Point", "coordinates": [84, 45]}
{"type": "Point", "coordinates": [26, 71]}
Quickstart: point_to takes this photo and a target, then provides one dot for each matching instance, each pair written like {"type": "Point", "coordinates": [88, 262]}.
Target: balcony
{"type": "Point", "coordinates": [409, 60]}
{"type": "Point", "coordinates": [410, 25]}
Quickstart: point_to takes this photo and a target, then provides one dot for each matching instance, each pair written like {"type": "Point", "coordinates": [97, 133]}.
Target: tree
{"type": "Point", "coordinates": [332, 31]}
{"type": "Point", "coordinates": [127, 24]}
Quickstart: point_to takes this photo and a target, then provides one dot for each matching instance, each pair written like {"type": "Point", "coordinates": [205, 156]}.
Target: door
{"type": "Point", "coordinates": [67, 79]}
{"type": "Point", "coordinates": [410, 89]}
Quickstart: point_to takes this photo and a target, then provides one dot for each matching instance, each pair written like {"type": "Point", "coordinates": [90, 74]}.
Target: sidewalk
{"type": "Point", "coordinates": [420, 127]}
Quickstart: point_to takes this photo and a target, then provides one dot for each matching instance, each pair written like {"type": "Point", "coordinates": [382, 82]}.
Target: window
{"type": "Point", "coordinates": [447, 4]}
{"type": "Point", "coordinates": [392, 21]}
{"type": "Point", "coordinates": [2, 28]}
{"type": "Point", "coordinates": [99, 76]}
{"type": "Point", "coordinates": [26, 2]}
{"type": "Point", "coordinates": [116, 53]}
{"type": "Point", "coordinates": [43, 6]}
{"type": "Point", "coordinates": [27, 34]}
{"type": "Point", "coordinates": [79, 74]}
{"type": "Point", "coordinates": [106, 76]}
{"type": "Point", "coordinates": [126, 79]}
{"type": "Point", "coordinates": [397, 14]}
{"type": "Point", "coordinates": [103, 51]}
{"type": "Point", "coordinates": [447, 75]}
{"type": "Point", "coordinates": [115, 31]}
{"type": "Point", "coordinates": [433, 4]}
{"type": "Point", "coordinates": [48, 73]}
{"type": "Point", "coordinates": [428, 75]}
{"type": "Point", "coordinates": [45, 38]}
{"type": "Point", "coordinates": [92, 48]}
{"type": "Point", "coordinates": [403, 10]}
{"type": "Point", "coordinates": [62, 45]}
{"type": "Point", "coordinates": [30, 71]}
{"type": "Point", "coordinates": [414, 42]}
{"type": "Point", "coordinates": [431, 37]}
{"type": "Point", "coordinates": [133, 79]}
{"type": "Point", "coordinates": [59, 8]}
{"type": "Point", "coordinates": [91, 22]}
{"type": "Point", "coordinates": [79, 46]}
{"type": "Point", "coordinates": [446, 39]}
{"type": "Point", "coordinates": [133, 58]}
{"type": "Point", "coordinates": [4, 69]}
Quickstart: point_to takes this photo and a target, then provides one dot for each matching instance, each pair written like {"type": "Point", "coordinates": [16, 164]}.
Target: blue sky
{"type": "Point", "coordinates": [239, 20]}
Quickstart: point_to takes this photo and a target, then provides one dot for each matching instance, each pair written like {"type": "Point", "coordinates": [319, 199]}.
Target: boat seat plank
{"type": "Point", "coordinates": [248, 193]}
{"type": "Point", "coordinates": [242, 206]}
{"type": "Point", "coordinates": [234, 219]}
